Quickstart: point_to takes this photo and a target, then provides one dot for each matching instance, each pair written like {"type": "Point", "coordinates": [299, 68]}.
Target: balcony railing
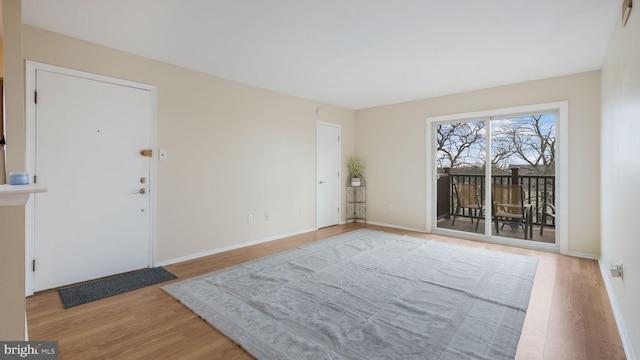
{"type": "Point", "coordinates": [538, 190]}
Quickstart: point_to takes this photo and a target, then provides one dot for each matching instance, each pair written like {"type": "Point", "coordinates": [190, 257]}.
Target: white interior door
{"type": "Point", "coordinates": [328, 175]}
{"type": "Point", "coordinates": [94, 221]}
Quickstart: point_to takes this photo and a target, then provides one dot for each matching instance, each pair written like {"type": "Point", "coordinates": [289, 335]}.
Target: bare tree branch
{"type": "Point", "coordinates": [526, 140]}
{"type": "Point", "coordinates": [460, 144]}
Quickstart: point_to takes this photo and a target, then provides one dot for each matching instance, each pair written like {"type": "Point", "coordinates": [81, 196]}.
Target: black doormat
{"type": "Point", "coordinates": [100, 289]}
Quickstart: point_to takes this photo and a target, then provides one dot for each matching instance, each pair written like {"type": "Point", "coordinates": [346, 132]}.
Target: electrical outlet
{"type": "Point", "coordinates": [267, 216]}
{"type": "Point", "coordinates": [616, 269]}
{"type": "Point", "coordinates": [250, 218]}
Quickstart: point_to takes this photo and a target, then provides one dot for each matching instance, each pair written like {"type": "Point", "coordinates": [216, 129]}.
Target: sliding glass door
{"type": "Point", "coordinates": [461, 168]}
{"type": "Point", "coordinates": [495, 176]}
{"type": "Point", "coordinates": [523, 177]}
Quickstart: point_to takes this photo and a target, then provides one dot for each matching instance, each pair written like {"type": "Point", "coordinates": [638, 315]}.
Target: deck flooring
{"type": "Point", "coordinates": [465, 224]}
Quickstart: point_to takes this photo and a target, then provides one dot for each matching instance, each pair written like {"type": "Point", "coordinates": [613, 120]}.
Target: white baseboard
{"type": "Point", "coordinates": [359, 221]}
{"type": "Point", "coordinates": [231, 247]}
{"type": "Point", "coordinates": [397, 226]}
{"type": "Point", "coordinates": [583, 255]}
{"type": "Point", "coordinates": [622, 329]}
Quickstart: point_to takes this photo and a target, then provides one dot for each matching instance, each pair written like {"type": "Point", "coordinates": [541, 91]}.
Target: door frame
{"type": "Point", "coordinates": [340, 208]}
{"type": "Point", "coordinates": [562, 172]}
{"type": "Point", "coordinates": [30, 113]}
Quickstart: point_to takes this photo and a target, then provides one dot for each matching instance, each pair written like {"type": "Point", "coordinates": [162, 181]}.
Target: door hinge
{"type": "Point", "coordinates": [338, 137]}
{"type": "Point", "coordinates": [338, 211]}
{"type": "Point", "coordinates": [33, 265]}
{"type": "Point", "coordinates": [35, 97]}
{"type": "Point", "coordinates": [35, 179]}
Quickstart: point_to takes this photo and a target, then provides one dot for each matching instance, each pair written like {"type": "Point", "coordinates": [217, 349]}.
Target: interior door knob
{"type": "Point", "coordinates": [141, 191]}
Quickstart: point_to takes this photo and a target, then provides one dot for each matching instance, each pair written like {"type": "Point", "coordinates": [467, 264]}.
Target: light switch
{"type": "Point", "coordinates": [163, 155]}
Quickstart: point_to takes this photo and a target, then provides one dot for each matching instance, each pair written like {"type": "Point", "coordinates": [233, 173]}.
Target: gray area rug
{"type": "Point", "coordinates": [100, 289]}
{"type": "Point", "coordinates": [369, 295]}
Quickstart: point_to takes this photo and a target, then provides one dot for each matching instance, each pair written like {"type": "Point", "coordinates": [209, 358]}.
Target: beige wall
{"type": "Point", "coordinates": [392, 142]}
{"type": "Point", "coordinates": [2, 170]}
{"type": "Point", "coordinates": [1, 57]}
{"type": "Point", "coordinates": [12, 302]}
{"type": "Point", "coordinates": [621, 170]}
{"type": "Point", "coordinates": [233, 149]}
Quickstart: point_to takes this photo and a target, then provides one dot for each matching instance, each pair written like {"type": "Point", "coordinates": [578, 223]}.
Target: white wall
{"type": "Point", "coordinates": [392, 142]}
{"type": "Point", "coordinates": [233, 149]}
{"type": "Point", "coordinates": [621, 170]}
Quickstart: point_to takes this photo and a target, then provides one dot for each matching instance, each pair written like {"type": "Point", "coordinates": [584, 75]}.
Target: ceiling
{"type": "Point", "coordinates": [351, 53]}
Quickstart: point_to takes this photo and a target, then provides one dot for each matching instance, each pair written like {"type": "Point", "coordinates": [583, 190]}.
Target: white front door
{"type": "Point", "coordinates": [94, 221]}
{"type": "Point", "coordinates": [328, 175]}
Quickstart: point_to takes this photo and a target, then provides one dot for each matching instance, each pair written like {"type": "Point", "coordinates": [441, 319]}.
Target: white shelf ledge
{"type": "Point", "coordinates": [15, 195]}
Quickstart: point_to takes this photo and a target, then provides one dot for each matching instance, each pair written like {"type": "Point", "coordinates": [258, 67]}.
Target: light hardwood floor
{"type": "Point", "coordinates": [569, 315]}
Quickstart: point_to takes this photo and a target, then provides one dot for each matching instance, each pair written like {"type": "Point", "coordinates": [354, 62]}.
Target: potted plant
{"type": "Point", "coordinates": [355, 165]}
